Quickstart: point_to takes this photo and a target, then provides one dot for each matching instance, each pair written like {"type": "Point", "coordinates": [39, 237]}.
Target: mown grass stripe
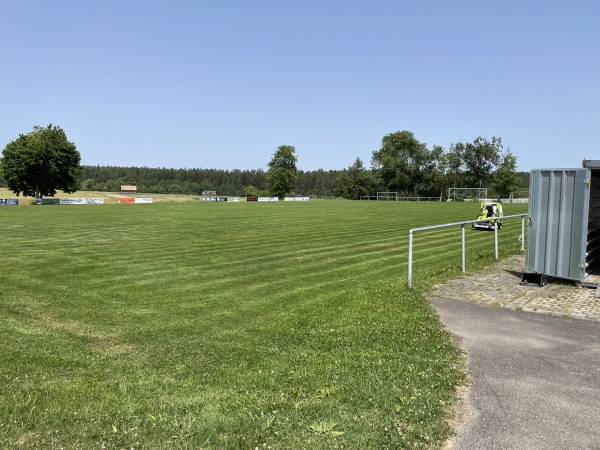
{"type": "Point", "coordinates": [226, 326]}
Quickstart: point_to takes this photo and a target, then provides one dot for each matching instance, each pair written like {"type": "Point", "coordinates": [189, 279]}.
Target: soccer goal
{"type": "Point", "coordinates": [209, 196]}
{"type": "Point", "coordinates": [467, 194]}
{"type": "Point", "coordinates": [387, 196]}
{"type": "Point", "coordinates": [519, 197]}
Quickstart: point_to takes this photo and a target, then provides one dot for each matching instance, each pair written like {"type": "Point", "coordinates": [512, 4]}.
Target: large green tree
{"type": "Point", "coordinates": [282, 173]}
{"type": "Point", "coordinates": [480, 160]}
{"type": "Point", "coordinates": [40, 162]}
{"type": "Point", "coordinates": [454, 163]}
{"type": "Point", "coordinates": [505, 177]}
{"type": "Point", "coordinates": [405, 165]}
{"type": "Point", "coordinates": [354, 182]}
{"type": "Point", "coordinates": [435, 181]}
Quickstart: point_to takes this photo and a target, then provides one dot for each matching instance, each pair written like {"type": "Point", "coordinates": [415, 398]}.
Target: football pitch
{"type": "Point", "coordinates": [243, 325]}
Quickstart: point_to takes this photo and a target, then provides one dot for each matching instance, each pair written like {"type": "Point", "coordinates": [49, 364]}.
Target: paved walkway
{"type": "Point", "coordinates": [499, 286]}
{"type": "Point", "coordinates": [535, 378]}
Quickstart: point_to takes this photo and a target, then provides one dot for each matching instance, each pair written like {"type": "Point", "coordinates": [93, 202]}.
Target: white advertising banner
{"type": "Point", "coordinates": [144, 200]}
{"type": "Point", "coordinates": [81, 201]}
{"type": "Point", "coordinates": [268, 199]}
{"type": "Point", "coordinates": [296, 199]}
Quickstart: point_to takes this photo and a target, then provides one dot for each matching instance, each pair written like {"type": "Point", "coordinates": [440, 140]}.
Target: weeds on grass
{"type": "Point", "coordinates": [325, 427]}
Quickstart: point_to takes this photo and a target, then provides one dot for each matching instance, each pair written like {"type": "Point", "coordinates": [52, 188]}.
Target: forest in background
{"type": "Point", "coordinates": [195, 181]}
{"type": "Point", "coordinates": [316, 183]}
{"type": "Point", "coordinates": [403, 164]}
{"type": "Point", "coordinates": [37, 164]}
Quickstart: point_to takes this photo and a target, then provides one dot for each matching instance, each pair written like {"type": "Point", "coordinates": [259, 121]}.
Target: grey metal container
{"type": "Point", "coordinates": [563, 237]}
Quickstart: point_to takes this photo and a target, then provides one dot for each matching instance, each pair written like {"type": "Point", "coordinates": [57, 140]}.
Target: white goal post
{"type": "Point", "coordinates": [209, 196]}
{"type": "Point", "coordinates": [466, 194]}
{"type": "Point", "coordinates": [519, 197]}
{"type": "Point", "coordinates": [394, 197]}
{"type": "Point", "coordinates": [387, 196]}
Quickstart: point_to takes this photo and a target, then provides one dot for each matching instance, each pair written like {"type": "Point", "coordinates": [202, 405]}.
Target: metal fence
{"type": "Point", "coordinates": [461, 224]}
{"type": "Point", "coordinates": [420, 199]}
{"type": "Point", "coordinates": [402, 199]}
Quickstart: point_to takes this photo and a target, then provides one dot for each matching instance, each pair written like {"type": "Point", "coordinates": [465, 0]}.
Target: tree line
{"type": "Point", "coordinates": [236, 182]}
{"type": "Point", "coordinates": [408, 167]}
{"type": "Point", "coordinates": [42, 161]}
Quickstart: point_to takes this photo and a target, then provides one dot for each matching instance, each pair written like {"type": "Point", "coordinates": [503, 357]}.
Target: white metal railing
{"type": "Point", "coordinates": [418, 199]}
{"type": "Point", "coordinates": [462, 224]}
{"type": "Point", "coordinates": [402, 199]}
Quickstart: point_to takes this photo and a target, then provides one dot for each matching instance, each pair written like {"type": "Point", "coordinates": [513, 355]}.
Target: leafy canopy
{"type": "Point", "coordinates": [404, 164]}
{"type": "Point", "coordinates": [282, 173]}
{"type": "Point", "coordinates": [480, 159]}
{"type": "Point", "coordinates": [407, 166]}
{"type": "Point", "coordinates": [40, 162]}
{"type": "Point", "coordinates": [355, 181]}
{"type": "Point", "coordinates": [505, 177]}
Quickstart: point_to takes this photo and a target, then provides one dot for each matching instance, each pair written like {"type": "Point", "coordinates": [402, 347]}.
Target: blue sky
{"type": "Point", "coordinates": [223, 83]}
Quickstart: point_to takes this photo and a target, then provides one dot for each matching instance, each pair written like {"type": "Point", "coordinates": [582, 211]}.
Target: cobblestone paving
{"type": "Point", "coordinates": [499, 285]}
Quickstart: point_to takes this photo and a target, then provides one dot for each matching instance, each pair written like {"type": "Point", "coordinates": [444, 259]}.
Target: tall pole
{"type": "Point", "coordinates": [523, 232]}
{"type": "Point", "coordinates": [496, 238]}
{"type": "Point", "coordinates": [463, 249]}
{"type": "Point", "coordinates": [410, 246]}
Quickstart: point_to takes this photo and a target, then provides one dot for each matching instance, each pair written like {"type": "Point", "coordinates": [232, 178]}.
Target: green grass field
{"type": "Point", "coordinates": [196, 325]}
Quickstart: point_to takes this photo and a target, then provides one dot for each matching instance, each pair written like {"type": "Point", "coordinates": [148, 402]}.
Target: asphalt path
{"type": "Point", "coordinates": [535, 378]}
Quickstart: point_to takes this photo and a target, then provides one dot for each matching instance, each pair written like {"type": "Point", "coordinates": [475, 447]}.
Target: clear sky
{"type": "Point", "coordinates": [222, 83]}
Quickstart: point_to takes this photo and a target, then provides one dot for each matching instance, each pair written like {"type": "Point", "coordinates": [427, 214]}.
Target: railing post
{"type": "Point", "coordinates": [463, 249]}
{"type": "Point", "coordinates": [523, 232]}
{"type": "Point", "coordinates": [496, 239]}
{"type": "Point", "coordinates": [410, 246]}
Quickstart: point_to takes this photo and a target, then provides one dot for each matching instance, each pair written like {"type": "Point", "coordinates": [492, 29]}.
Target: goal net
{"type": "Point", "coordinates": [209, 196]}
{"type": "Point", "coordinates": [519, 197]}
{"type": "Point", "coordinates": [387, 196]}
{"type": "Point", "coordinates": [467, 194]}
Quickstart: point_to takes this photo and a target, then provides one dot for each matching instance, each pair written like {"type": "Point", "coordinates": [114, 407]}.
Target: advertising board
{"type": "Point", "coordinates": [47, 201]}
{"type": "Point", "coordinates": [80, 201]}
{"type": "Point", "coordinates": [296, 199]}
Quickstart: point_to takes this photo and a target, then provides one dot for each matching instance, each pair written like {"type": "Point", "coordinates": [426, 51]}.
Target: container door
{"type": "Point", "coordinates": [558, 219]}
